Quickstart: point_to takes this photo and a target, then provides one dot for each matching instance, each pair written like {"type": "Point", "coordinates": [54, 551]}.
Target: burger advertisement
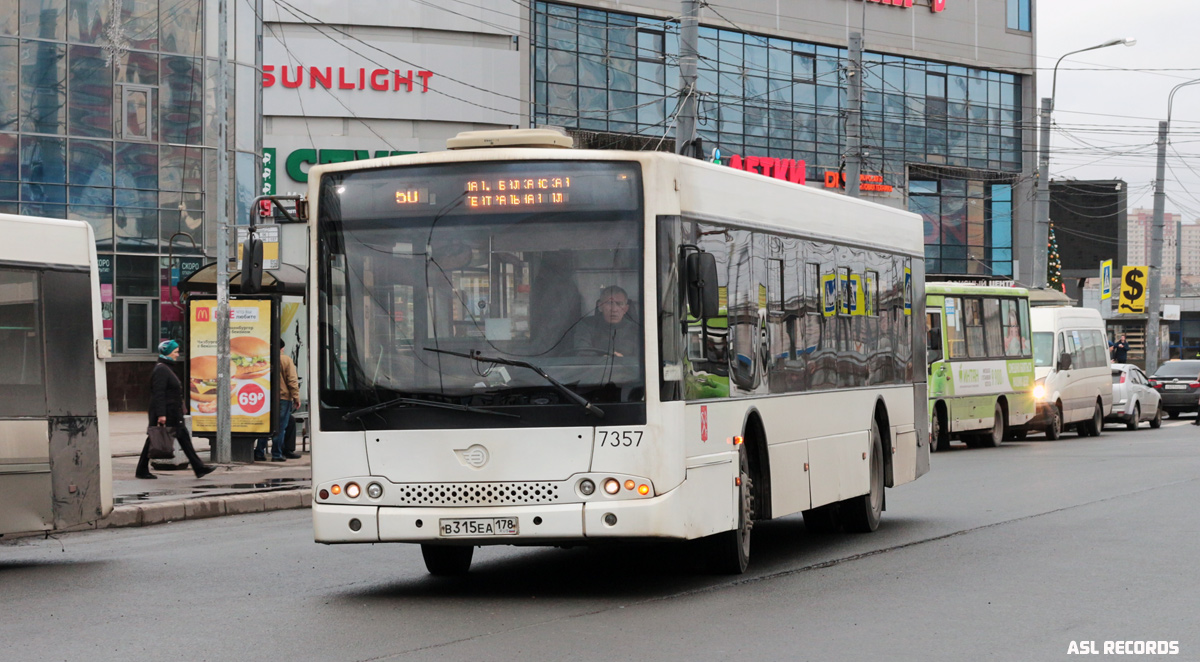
{"type": "Point", "coordinates": [250, 359]}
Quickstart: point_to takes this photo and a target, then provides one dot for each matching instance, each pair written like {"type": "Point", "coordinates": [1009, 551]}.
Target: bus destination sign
{"type": "Point", "coordinates": [517, 192]}
{"type": "Point", "coordinates": [485, 188]}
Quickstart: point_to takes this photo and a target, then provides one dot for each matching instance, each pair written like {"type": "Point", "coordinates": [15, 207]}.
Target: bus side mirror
{"type": "Point", "coordinates": [252, 263]}
{"type": "Point", "coordinates": [702, 285]}
{"type": "Point", "coordinates": [1064, 361]}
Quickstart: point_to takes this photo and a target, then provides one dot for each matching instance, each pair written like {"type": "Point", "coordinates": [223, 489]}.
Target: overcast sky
{"type": "Point", "coordinates": [1111, 99]}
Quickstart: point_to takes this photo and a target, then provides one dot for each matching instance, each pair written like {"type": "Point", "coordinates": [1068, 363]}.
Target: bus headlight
{"type": "Point", "coordinates": [1039, 390]}
{"type": "Point", "coordinates": [374, 490]}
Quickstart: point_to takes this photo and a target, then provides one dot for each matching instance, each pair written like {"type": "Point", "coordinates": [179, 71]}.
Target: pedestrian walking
{"type": "Point", "coordinates": [1120, 350]}
{"type": "Point", "coordinates": [166, 408]}
{"type": "Point", "coordinates": [289, 399]}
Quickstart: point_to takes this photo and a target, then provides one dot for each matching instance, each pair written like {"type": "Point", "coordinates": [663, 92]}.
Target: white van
{"type": "Point", "coordinates": [1071, 364]}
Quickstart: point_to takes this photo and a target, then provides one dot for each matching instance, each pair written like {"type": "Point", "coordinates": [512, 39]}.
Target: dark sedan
{"type": "Point", "coordinates": [1179, 384]}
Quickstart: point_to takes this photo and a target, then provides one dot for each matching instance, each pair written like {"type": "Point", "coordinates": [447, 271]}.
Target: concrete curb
{"type": "Point", "coordinates": [162, 512]}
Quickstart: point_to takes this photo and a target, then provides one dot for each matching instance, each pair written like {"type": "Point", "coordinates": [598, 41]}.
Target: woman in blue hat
{"type": "Point", "coordinates": [166, 408]}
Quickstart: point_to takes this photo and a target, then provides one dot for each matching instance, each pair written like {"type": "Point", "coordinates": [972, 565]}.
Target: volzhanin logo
{"type": "Point", "coordinates": [475, 456]}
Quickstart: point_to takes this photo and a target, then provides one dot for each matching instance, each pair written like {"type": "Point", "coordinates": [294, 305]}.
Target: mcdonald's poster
{"type": "Point", "coordinates": [250, 367]}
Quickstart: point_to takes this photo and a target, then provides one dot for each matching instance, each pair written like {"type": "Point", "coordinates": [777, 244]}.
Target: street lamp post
{"type": "Point", "coordinates": [1041, 234]}
{"type": "Point", "coordinates": [1156, 238]}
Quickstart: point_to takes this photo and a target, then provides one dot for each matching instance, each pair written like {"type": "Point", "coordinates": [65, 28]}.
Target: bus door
{"type": "Point", "coordinates": [935, 352]}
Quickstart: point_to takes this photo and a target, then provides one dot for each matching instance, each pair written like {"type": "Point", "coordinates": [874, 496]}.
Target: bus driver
{"type": "Point", "coordinates": [610, 330]}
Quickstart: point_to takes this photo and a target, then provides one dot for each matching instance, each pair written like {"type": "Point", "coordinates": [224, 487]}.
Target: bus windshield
{"type": "Point", "coordinates": [556, 285]}
{"type": "Point", "coordinates": [1043, 349]}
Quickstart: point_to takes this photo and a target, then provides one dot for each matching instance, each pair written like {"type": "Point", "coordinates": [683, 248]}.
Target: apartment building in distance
{"type": "Point", "coordinates": [1140, 223]}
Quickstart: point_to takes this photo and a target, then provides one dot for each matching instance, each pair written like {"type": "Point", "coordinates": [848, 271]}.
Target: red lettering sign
{"type": "Point", "coordinates": [703, 422]}
{"type": "Point", "coordinates": [292, 77]}
{"type": "Point", "coordinates": [789, 170]}
{"type": "Point", "coordinates": [203, 314]}
{"type": "Point", "coordinates": [834, 179]}
{"type": "Point", "coordinates": [934, 5]}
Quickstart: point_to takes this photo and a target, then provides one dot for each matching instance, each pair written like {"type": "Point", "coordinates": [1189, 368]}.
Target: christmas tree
{"type": "Point", "coordinates": [1053, 263]}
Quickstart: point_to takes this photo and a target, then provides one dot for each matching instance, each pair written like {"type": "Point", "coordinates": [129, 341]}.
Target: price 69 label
{"type": "Point", "coordinates": [251, 398]}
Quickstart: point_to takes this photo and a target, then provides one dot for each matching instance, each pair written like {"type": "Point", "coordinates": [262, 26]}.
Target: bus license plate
{"type": "Point", "coordinates": [1176, 387]}
{"type": "Point", "coordinates": [491, 526]}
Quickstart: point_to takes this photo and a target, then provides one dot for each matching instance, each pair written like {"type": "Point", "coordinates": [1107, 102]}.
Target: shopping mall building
{"type": "Point", "coordinates": [107, 110]}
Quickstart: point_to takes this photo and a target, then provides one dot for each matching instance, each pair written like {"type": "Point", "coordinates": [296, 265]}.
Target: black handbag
{"type": "Point", "coordinates": [162, 442]}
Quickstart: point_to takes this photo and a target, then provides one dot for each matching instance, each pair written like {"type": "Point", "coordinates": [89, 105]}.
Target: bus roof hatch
{"type": "Point", "coordinates": [548, 138]}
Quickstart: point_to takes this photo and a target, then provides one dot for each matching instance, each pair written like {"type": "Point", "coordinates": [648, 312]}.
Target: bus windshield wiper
{"type": "Point", "coordinates": [414, 402]}
{"type": "Point", "coordinates": [475, 355]}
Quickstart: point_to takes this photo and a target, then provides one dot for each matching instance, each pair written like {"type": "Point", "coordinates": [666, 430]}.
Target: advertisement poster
{"type": "Point", "coordinates": [250, 370]}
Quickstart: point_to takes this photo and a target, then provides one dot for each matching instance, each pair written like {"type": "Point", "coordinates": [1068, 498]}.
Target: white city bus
{"type": "Point", "coordinates": [520, 345]}
{"type": "Point", "coordinates": [55, 464]}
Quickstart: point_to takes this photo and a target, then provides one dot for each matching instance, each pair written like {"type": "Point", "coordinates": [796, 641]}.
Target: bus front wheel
{"type": "Point", "coordinates": [862, 514]}
{"type": "Point", "coordinates": [446, 560]}
{"type": "Point", "coordinates": [731, 550]}
{"type": "Point", "coordinates": [939, 438]}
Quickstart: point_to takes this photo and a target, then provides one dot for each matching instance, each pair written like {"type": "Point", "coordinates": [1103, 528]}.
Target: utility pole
{"type": "Point", "coordinates": [1156, 250]}
{"type": "Point", "coordinates": [1156, 236]}
{"type": "Point", "coordinates": [689, 55]}
{"type": "Point", "coordinates": [1041, 234]}
{"type": "Point", "coordinates": [222, 449]}
{"type": "Point", "coordinates": [1041, 210]}
{"type": "Point", "coordinates": [854, 116]}
{"type": "Point", "coordinates": [1178, 259]}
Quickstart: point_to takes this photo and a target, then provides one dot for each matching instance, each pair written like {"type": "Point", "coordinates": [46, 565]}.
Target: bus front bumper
{"type": "Point", "coordinates": [702, 505]}
{"type": "Point", "coordinates": [535, 524]}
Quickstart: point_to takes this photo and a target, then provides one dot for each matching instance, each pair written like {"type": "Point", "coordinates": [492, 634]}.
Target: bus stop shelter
{"type": "Point", "coordinates": [287, 280]}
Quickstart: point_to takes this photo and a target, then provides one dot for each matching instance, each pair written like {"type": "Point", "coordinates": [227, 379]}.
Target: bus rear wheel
{"type": "Point", "coordinates": [861, 514]}
{"type": "Point", "coordinates": [730, 553]}
{"type": "Point", "coordinates": [446, 560]}
{"type": "Point", "coordinates": [996, 436]}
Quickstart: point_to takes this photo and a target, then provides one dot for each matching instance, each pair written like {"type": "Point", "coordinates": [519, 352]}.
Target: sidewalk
{"type": "Point", "coordinates": [232, 489]}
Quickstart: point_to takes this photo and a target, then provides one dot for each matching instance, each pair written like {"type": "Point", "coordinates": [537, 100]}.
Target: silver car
{"type": "Point", "coordinates": [1134, 400]}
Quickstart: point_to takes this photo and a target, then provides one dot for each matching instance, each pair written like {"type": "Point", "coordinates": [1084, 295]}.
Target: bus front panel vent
{"type": "Point", "coordinates": [478, 494]}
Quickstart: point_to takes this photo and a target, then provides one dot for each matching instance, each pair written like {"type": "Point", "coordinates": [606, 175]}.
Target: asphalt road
{"type": "Point", "coordinates": [997, 554]}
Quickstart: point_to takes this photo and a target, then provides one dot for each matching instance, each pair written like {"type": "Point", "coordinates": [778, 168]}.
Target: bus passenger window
{"type": "Point", "coordinates": [992, 330]}
{"type": "Point", "coordinates": [1010, 319]}
{"type": "Point", "coordinates": [974, 325]}
{"type": "Point", "coordinates": [956, 340]}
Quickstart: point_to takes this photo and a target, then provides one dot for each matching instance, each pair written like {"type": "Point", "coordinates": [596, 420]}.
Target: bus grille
{"type": "Point", "coordinates": [477, 494]}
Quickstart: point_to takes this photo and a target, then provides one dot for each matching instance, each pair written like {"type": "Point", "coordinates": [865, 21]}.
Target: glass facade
{"type": "Point", "coordinates": [103, 119]}
{"type": "Point", "coordinates": [618, 73]}
{"type": "Point", "coordinates": [968, 225]}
